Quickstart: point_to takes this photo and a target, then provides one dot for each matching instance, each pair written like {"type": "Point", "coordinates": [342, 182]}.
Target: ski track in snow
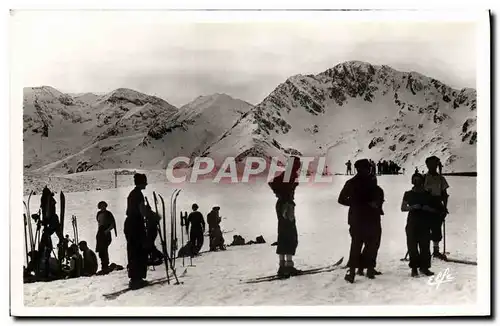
{"type": "Point", "coordinates": [249, 208]}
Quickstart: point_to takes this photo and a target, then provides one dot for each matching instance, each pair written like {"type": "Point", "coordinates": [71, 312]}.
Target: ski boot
{"type": "Point", "coordinates": [292, 271]}
{"type": "Point", "coordinates": [426, 272]}
{"type": "Point", "coordinates": [414, 272]}
{"type": "Point", "coordinates": [137, 284]}
{"type": "Point", "coordinates": [283, 272]}
{"type": "Point", "coordinates": [349, 277]}
{"type": "Point", "coordinates": [370, 273]}
{"type": "Point", "coordinates": [437, 254]}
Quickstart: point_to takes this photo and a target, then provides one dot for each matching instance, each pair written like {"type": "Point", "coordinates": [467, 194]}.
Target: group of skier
{"type": "Point", "coordinates": [44, 264]}
{"type": "Point", "coordinates": [379, 168]}
{"type": "Point", "coordinates": [141, 229]}
{"type": "Point", "coordinates": [426, 204]}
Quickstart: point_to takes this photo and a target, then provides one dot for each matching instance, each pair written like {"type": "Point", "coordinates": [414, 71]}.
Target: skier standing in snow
{"type": "Point", "coordinates": [285, 211]}
{"type": "Point", "coordinates": [437, 185]}
{"type": "Point", "coordinates": [364, 199]}
{"type": "Point", "coordinates": [420, 205]}
{"type": "Point", "coordinates": [135, 234]}
{"type": "Point", "coordinates": [89, 257]}
{"type": "Point", "coordinates": [349, 167]}
{"type": "Point", "coordinates": [195, 219]}
{"type": "Point", "coordinates": [106, 223]}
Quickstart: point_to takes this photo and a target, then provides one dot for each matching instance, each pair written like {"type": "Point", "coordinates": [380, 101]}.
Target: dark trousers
{"type": "Point", "coordinates": [196, 238]}
{"type": "Point", "coordinates": [287, 229]}
{"type": "Point", "coordinates": [365, 242]}
{"type": "Point", "coordinates": [436, 223]}
{"type": "Point", "coordinates": [137, 254]}
{"type": "Point", "coordinates": [418, 242]}
{"type": "Point", "coordinates": [103, 241]}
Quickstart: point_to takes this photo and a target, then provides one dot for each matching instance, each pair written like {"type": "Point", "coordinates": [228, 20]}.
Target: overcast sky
{"type": "Point", "coordinates": [178, 61]}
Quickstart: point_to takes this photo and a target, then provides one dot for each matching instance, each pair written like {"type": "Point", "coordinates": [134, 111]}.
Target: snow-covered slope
{"type": "Point", "coordinates": [357, 110]}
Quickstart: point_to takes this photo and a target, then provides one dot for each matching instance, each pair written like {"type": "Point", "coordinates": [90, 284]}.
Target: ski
{"type": "Point", "coordinates": [164, 243]}
{"type": "Point", "coordinates": [28, 215]}
{"type": "Point", "coordinates": [26, 239]}
{"type": "Point", "coordinates": [304, 272]}
{"type": "Point", "coordinates": [173, 224]}
{"type": "Point", "coordinates": [116, 294]}
{"type": "Point", "coordinates": [459, 261]}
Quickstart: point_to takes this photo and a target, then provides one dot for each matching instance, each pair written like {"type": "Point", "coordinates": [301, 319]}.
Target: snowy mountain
{"type": "Point", "coordinates": [352, 110]}
{"type": "Point", "coordinates": [195, 127]}
{"type": "Point", "coordinates": [123, 128]}
{"type": "Point", "coordinates": [66, 134]}
{"type": "Point", "coordinates": [356, 110]}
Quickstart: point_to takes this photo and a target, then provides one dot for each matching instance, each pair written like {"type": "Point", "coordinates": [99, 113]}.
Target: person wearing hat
{"type": "Point", "coordinates": [364, 198]}
{"type": "Point", "coordinates": [105, 223]}
{"type": "Point", "coordinates": [213, 220]}
{"type": "Point", "coordinates": [135, 234]}
{"type": "Point", "coordinates": [418, 202]}
{"type": "Point", "coordinates": [285, 211]}
{"type": "Point", "coordinates": [197, 222]}
{"type": "Point", "coordinates": [437, 185]}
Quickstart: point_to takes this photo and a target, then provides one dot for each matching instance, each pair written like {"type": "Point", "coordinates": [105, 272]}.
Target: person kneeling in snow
{"type": "Point", "coordinates": [421, 207]}
{"type": "Point", "coordinates": [74, 269]}
{"type": "Point", "coordinates": [89, 259]}
{"type": "Point", "coordinates": [285, 211]}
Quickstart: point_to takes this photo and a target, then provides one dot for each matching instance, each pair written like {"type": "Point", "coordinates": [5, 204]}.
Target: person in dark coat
{"type": "Point", "coordinates": [420, 205]}
{"type": "Point", "coordinates": [364, 198]}
{"type": "Point", "coordinates": [135, 234]}
{"type": "Point", "coordinates": [213, 221]}
{"type": "Point", "coordinates": [89, 259]}
{"type": "Point", "coordinates": [106, 223]}
{"type": "Point", "coordinates": [285, 211]}
{"type": "Point", "coordinates": [195, 219]}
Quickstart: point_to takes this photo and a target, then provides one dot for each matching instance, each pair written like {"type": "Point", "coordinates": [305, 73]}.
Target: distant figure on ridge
{"type": "Point", "coordinates": [349, 167]}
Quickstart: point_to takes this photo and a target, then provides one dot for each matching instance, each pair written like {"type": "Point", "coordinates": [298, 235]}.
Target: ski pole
{"type": "Point", "coordinates": [444, 237]}
{"type": "Point", "coordinates": [26, 239]}
{"type": "Point", "coordinates": [182, 236]}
